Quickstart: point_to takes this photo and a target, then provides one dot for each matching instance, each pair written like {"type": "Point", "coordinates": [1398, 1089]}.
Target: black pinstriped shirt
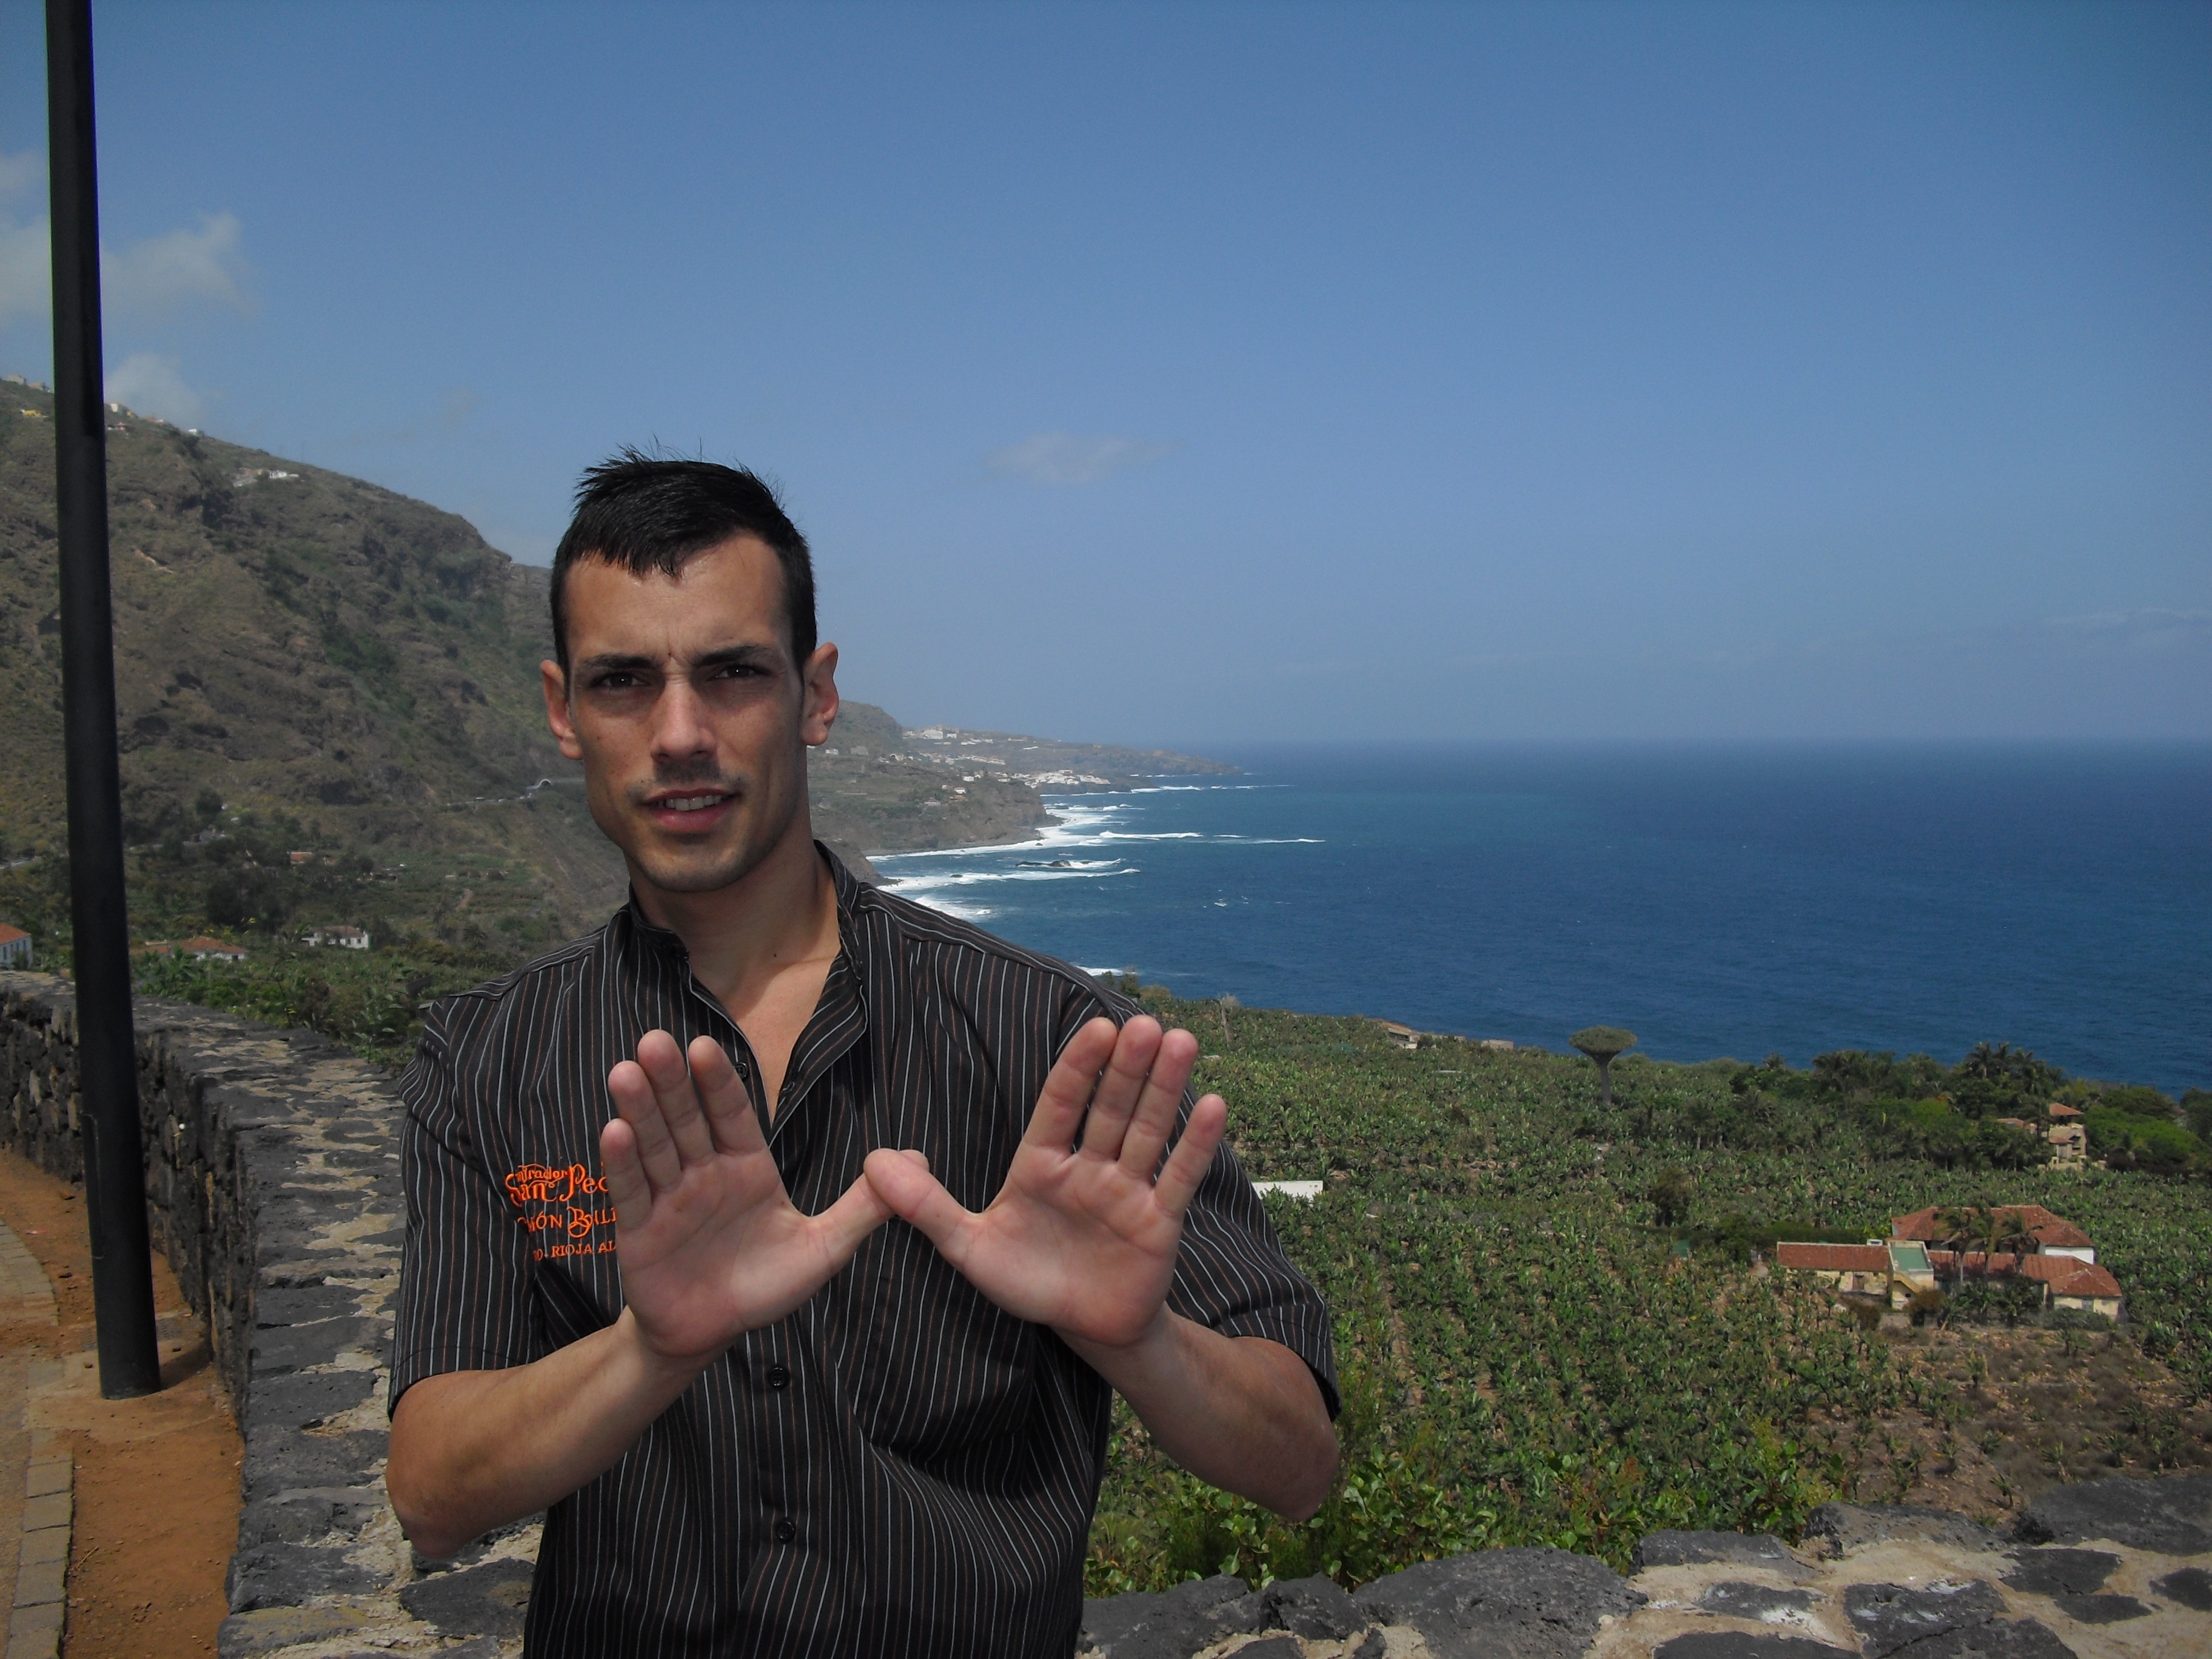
{"type": "Point", "coordinates": [897, 1467]}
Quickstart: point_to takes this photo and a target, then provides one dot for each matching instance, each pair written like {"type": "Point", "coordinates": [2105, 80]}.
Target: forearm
{"type": "Point", "coordinates": [1240, 1412]}
{"type": "Point", "coordinates": [472, 1450]}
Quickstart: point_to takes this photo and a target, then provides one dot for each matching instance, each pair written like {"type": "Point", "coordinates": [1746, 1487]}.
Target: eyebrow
{"type": "Point", "coordinates": [727, 656]}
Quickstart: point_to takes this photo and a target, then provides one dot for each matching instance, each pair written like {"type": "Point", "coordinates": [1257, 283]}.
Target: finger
{"type": "Point", "coordinates": [625, 1176]}
{"type": "Point", "coordinates": [1067, 1091]}
{"type": "Point", "coordinates": [1193, 1154]}
{"type": "Point", "coordinates": [1120, 1086]}
{"type": "Point", "coordinates": [634, 1099]}
{"type": "Point", "coordinates": [915, 1196]}
{"type": "Point", "coordinates": [1153, 1120]}
{"type": "Point", "coordinates": [731, 1120]}
{"type": "Point", "coordinates": [838, 1230]}
{"type": "Point", "coordinates": [663, 1063]}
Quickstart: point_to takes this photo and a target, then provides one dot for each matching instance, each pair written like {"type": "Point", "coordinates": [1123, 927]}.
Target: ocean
{"type": "Point", "coordinates": [1734, 901]}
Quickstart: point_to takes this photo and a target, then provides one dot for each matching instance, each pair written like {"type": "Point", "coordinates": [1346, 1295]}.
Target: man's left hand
{"type": "Point", "coordinates": [1084, 1235]}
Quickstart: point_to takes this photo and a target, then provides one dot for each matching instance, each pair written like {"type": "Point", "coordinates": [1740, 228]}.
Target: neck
{"type": "Point", "coordinates": [780, 912]}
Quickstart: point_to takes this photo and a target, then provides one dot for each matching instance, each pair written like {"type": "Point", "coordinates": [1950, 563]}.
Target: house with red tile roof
{"type": "Point", "coordinates": [15, 947]}
{"type": "Point", "coordinates": [2054, 1235]}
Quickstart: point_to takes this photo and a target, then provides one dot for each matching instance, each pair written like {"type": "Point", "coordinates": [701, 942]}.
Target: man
{"type": "Point", "coordinates": [762, 1420]}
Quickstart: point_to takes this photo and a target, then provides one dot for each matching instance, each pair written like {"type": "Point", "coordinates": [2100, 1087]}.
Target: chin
{"type": "Point", "coordinates": [703, 873]}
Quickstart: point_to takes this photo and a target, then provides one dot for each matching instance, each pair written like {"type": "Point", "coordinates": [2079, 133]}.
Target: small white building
{"type": "Point", "coordinates": [15, 947]}
{"type": "Point", "coordinates": [345, 939]}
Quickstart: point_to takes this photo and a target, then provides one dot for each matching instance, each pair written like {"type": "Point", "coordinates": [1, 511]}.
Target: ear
{"type": "Point", "coordinates": [819, 689]}
{"type": "Point", "coordinates": [558, 715]}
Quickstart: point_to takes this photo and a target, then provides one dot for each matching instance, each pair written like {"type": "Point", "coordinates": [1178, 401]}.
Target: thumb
{"type": "Point", "coordinates": [902, 1181]}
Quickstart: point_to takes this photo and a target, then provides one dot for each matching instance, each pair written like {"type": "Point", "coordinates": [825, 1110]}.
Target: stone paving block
{"type": "Point", "coordinates": [1888, 1617]}
{"type": "Point", "coordinates": [2062, 1571]}
{"type": "Point", "coordinates": [40, 1583]}
{"type": "Point", "coordinates": [35, 1631]}
{"type": "Point", "coordinates": [46, 1476]}
{"type": "Point", "coordinates": [489, 1599]}
{"type": "Point", "coordinates": [2173, 1515]}
{"type": "Point", "coordinates": [1745, 1645]}
{"type": "Point", "coordinates": [1534, 1603]}
{"type": "Point", "coordinates": [46, 1544]}
{"type": "Point", "coordinates": [2192, 1587]}
{"type": "Point", "coordinates": [51, 1510]}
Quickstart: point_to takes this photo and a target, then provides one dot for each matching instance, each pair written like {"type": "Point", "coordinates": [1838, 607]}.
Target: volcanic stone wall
{"type": "Point", "coordinates": [272, 1186]}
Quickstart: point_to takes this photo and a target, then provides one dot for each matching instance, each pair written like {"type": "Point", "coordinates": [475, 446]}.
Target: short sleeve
{"type": "Point", "coordinates": [464, 1301]}
{"type": "Point", "coordinates": [1232, 1276]}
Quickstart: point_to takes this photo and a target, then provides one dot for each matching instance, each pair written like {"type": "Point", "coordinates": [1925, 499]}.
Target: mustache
{"type": "Point", "coordinates": [678, 774]}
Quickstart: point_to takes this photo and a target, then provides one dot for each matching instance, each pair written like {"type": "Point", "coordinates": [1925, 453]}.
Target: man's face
{"type": "Point", "coordinates": [690, 717]}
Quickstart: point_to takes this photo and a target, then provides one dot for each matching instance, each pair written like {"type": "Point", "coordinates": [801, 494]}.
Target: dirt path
{"type": "Point", "coordinates": [156, 1478]}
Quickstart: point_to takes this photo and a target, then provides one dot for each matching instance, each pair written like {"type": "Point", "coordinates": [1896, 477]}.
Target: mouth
{"type": "Point", "coordinates": [700, 810]}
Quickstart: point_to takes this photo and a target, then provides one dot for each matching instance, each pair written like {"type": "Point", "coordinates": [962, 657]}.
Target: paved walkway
{"type": "Point", "coordinates": [35, 1471]}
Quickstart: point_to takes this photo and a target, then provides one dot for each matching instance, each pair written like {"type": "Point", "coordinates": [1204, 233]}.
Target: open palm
{"type": "Point", "coordinates": [711, 1245]}
{"type": "Point", "coordinates": [1083, 1235]}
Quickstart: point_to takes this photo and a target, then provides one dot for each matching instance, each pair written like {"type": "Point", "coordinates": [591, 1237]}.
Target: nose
{"type": "Point", "coordinates": [680, 730]}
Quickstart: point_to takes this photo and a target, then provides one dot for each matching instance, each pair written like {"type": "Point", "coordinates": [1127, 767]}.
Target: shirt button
{"type": "Point", "coordinates": [785, 1532]}
{"type": "Point", "coordinates": [778, 1377]}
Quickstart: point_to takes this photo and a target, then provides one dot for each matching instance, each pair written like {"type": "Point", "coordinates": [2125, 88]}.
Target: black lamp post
{"type": "Point", "coordinates": [106, 1046]}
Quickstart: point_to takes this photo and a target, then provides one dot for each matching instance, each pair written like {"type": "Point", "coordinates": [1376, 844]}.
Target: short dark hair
{"type": "Point", "coordinates": [647, 514]}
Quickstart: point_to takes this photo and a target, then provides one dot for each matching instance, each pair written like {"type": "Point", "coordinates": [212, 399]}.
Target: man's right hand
{"type": "Point", "coordinates": [710, 1244]}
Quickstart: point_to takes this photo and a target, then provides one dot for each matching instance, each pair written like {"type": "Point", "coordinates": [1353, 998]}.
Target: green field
{"type": "Point", "coordinates": [1530, 1357]}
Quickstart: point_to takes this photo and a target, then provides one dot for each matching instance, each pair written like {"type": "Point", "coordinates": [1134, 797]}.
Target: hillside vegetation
{"type": "Point", "coordinates": [1534, 1352]}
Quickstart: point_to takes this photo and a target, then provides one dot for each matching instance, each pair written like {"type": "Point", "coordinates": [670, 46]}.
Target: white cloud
{"type": "Point", "coordinates": [154, 279]}
{"type": "Point", "coordinates": [164, 273]}
{"type": "Point", "coordinates": [1061, 458]}
{"type": "Point", "coordinates": [152, 385]}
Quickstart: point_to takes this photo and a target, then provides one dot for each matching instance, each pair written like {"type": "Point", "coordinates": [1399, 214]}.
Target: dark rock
{"type": "Point", "coordinates": [280, 1461]}
{"type": "Point", "coordinates": [1888, 1616]}
{"type": "Point", "coordinates": [2062, 1573]}
{"type": "Point", "coordinates": [1316, 1609]}
{"type": "Point", "coordinates": [1740, 1599]}
{"type": "Point", "coordinates": [1695, 1549]}
{"type": "Point", "coordinates": [1743, 1644]}
{"type": "Point", "coordinates": [2173, 1516]}
{"type": "Point", "coordinates": [1502, 1604]}
{"type": "Point", "coordinates": [1377, 1646]}
{"type": "Point", "coordinates": [267, 1629]}
{"type": "Point", "coordinates": [2190, 1586]}
{"type": "Point", "coordinates": [304, 1400]}
{"type": "Point", "coordinates": [302, 1517]}
{"type": "Point", "coordinates": [281, 1348]}
{"type": "Point", "coordinates": [485, 1600]}
{"type": "Point", "coordinates": [291, 1575]}
{"type": "Point", "coordinates": [2101, 1609]}
{"type": "Point", "coordinates": [2022, 1638]}
{"type": "Point", "coordinates": [1173, 1624]}
{"type": "Point", "coordinates": [299, 1307]}
{"type": "Point", "coordinates": [1848, 1526]}
{"type": "Point", "coordinates": [1274, 1647]}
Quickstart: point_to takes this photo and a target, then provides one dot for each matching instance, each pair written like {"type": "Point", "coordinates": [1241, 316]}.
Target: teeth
{"type": "Point", "coordinates": [691, 803]}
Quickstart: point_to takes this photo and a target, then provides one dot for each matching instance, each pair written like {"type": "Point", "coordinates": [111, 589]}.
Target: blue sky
{"type": "Point", "coordinates": [1170, 374]}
